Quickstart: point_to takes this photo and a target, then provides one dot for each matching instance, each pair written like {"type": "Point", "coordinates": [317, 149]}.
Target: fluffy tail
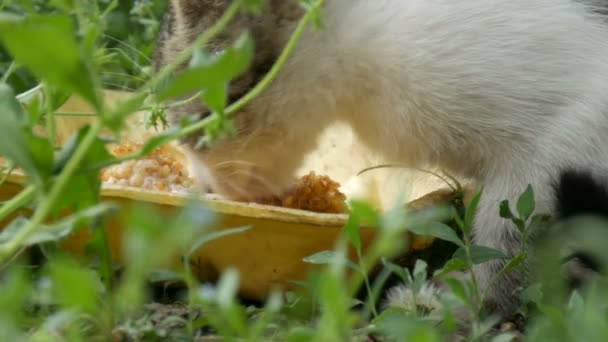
{"type": "Point", "coordinates": [579, 193]}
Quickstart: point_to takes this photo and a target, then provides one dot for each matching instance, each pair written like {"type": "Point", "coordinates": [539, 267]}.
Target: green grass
{"type": "Point", "coordinates": [51, 50]}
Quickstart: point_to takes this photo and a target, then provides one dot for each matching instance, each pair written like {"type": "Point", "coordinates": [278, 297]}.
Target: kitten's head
{"type": "Point", "coordinates": [187, 19]}
{"type": "Point", "coordinates": [235, 159]}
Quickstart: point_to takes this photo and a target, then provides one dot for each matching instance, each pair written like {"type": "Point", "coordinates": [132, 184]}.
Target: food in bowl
{"type": "Point", "coordinates": [165, 170]}
{"type": "Point", "coordinates": [162, 170]}
{"type": "Point", "coordinates": [312, 192]}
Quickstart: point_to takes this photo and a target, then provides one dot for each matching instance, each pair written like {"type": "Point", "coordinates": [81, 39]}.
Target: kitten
{"type": "Point", "coordinates": [504, 92]}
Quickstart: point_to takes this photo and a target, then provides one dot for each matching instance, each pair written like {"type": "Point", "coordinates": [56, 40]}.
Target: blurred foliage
{"type": "Point", "coordinates": [130, 31]}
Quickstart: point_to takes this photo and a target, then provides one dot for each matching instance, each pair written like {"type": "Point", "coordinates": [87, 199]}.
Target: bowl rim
{"type": "Point", "coordinates": [210, 201]}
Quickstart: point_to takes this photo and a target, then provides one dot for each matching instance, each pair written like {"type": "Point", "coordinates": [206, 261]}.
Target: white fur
{"type": "Point", "coordinates": [427, 298]}
{"type": "Point", "coordinates": [506, 92]}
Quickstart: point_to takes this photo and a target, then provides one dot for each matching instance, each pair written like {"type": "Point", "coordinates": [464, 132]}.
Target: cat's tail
{"type": "Point", "coordinates": [578, 193]}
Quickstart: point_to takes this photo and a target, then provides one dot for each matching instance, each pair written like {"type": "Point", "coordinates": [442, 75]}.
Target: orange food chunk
{"type": "Point", "coordinates": [312, 193]}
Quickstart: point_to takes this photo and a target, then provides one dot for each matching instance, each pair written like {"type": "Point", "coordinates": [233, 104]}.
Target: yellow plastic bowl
{"type": "Point", "coordinates": [268, 256]}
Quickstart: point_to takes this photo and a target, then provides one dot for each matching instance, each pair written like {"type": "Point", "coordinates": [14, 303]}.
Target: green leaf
{"type": "Point", "coordinates": [165, 276]}
{"type": "Point", "coordinates": [438, 230]}
{"type": "Point", "coordinates": [84, 187]}
{"type": "Point", "coordinates": [203, 240]}
{"type": "Point", "coordinates": [70, 147]}
{"type": "Point", "coordinates": [212, 71]}
{"type": "Point", "coordinates": [504, 337]}
{"type": "Point", "coordinates": [327, 257]}
{"type": "Point", "coordinates": [216, 97]}
{"type": "Point", "coordinates": [57, 97]}
{"type": "Point", "coordinates": [253, 6]}
{"type": "Point", "coordinates": [52, 52]}
{"type": "Point", "coordinates": [34, 110]}
{"type": "Point", "coordinates": [519, 223]}
{"type": "Point", "coordinates": [15, 288]}
{"type": "Point", "coordinates": [218, 126]}
{"type": "Point", "coordinates": [481, 254]}
{"type": "Point", "coordinates": [576, 303]}
{"type": "Point", "coordinates": [470, 213]}
{"type": "Point", "coordinates": [514, 262]}
{"type": "Point", "coordinates": [227, 288]}
{"type": "Point", "coordinates": [158, 140]}
{"type": "Point", "coordinates": [58, 231]}
{"type": "Point", "coordinates": [400, 325]}
{"type": "Point", "coordinates": [389, 313]}
{"type": "Point", "coordinates": [458, 289]}
{"type": "Point", "coordinates": [321, 258]}
{"type": "Point", "coordinates": [194, 221]}
{"type": "Point", "coordinates": [451, 266]}
{"type": "Point", "coordinates": [115, 119]}
{"type": "Point", "coordinates": [420, 269]}
{"type": "Point", "coordinates": [366, 214]}
{"type": "Point", "coordinates": [353, 232]}
{"type": "Point", "coordinates": [456, 217]}
{"type": "Point", "coordinates": [505, 210]}
{"type": "Point", "coordinates": [525, 203]}
{"type": "Point", "coordinates": [42, 153]}
{"type": "Point", "coordinates": [420, 275]}
{"type": "Point", "coordinates": [486, 325]}
{"type": "Point", "coordinates": [301, 334]}
{"type": "Point", "coordinates": [538, 222]}
{"type": "Point", "coordinates": [316, 16]}
{"type": "Point", "coordinates": [18, 144]}
{"type": "Point", "coordinates": [533, 294]}
{"type": "Point", "coordinates": [336, 319]}
{"type": "Point", "coordinates": [402, 272]}
{"type": "Point", "coordinates": [74, 286]}
{"type": "Point", "coordinates": [65, 5]}
{"type": "Point", "coordinates": [148, 244]}
{"type": "Point", "coordinates": [360, 214]}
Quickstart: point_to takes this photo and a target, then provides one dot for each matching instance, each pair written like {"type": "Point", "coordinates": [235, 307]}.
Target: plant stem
{"type": "Point", "coordinates": [366, 265]}
{"type": "Point", "coordinates": [194, 97]}
{"type": "Point", "coordinates": [9, 72]}
{"type": "Point", "coordinates": [478, 300]}
{"type": "Point", "coordinates": [18, 201]}
{"type": "Point", "coordinates": [7, 170]}
{"type": "Point", "coordinates": [50, 117]}
{"type": "Point", "coordinates": [106, 267]}
{"type": "Point", "coordinates": [75, 114]}
{"type": "Point", "coordinates": [190, 283]}
{"type": "Point", "coordinates": [265, 82]}
{"type": "Point", "coordinates": [28, 94]}
{"type": "Point", "coordinates": [368, 286]}
{"type": "Point", "coordinates": [457, 187]}
{"type": "Point", "coordinates": [56, 191]}
{"type": "Point", "coordinates": [470, 261]}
